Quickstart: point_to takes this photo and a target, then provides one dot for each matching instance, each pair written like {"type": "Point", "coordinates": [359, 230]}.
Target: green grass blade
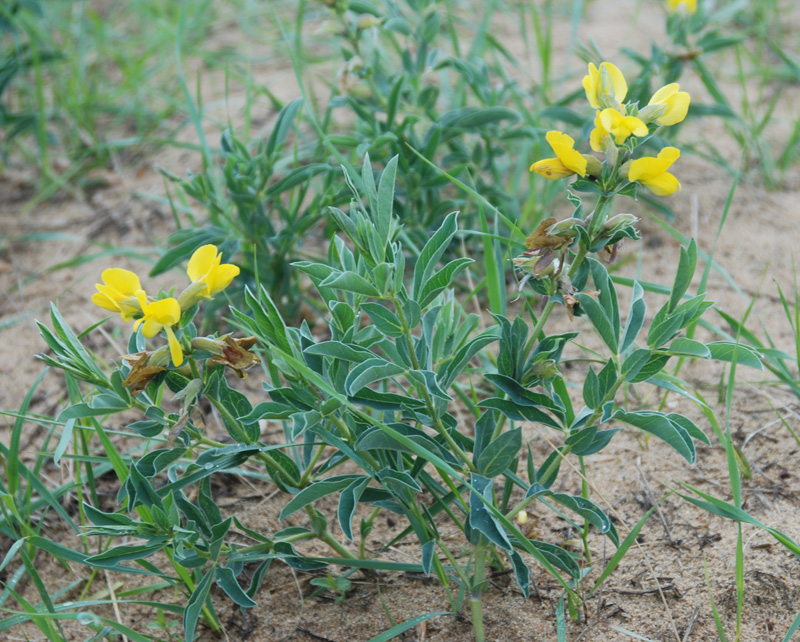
{"type": "Point", "coordinates": [402, 627]}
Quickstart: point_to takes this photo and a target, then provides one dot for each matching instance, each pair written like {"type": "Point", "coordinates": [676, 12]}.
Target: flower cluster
{"type": "Point", "coordinates": [121, 291]}
{"type": "Point", "coordinates": [618, 128]}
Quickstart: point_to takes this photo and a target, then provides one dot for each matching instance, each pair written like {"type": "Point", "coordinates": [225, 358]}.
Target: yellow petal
{"type": "Point", "coordinates": [101, 299]}
{"type": "Point", "coordinates": [636, 126]}
{"type": "Point", "coordinates": [596, 139]}
{"type": "Point", "coordinates": [618, 85]}
{"type": "Point", "coordinates": [570, 158]}
{"type": "Point", "coordinates": [150, 328]}
{"type": "Point", "coordinates": [551, 168]}
{"type": "Point", "coordinates": [690, 6]}
{"type": "Point", "coordinates": [677, 108]}
{"type": "Point", "coordinates": [165, 311]}
{"type": "Point", "coordinates": [123, 281]}
{"type": "Point", "coordinates": [609, 119]}
{"type": "Point", "coordinates": [221, 277]}
{"type": "Point", "coordinates": [663, 185]}
{"type": "Point", "coordinates": [591, 84]}
{"type": "Point", "coordinates": [175, 350]}
{"type": "Point", "coordinates": [647, 168]}
{"type": "Point", "coordinates": [664, 93]}
{"type": "Point", "coordinates": [203, 259]}
{"type": "Point", "coordinates": [555, 137]}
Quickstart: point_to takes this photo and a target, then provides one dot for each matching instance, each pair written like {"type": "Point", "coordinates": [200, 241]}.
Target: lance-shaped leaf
{"type": "Point", "coordinates": [480, 518]}
{"type": "Point", "coordinates": [370, 371]}
{"type": "Point", "coordinates": [432, 252]}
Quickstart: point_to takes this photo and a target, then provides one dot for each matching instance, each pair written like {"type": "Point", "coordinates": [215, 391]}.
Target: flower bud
{"type": "Point", "coordinates": [367, 20]}
{"type": "Point", "coordinates": [652, 112]}
{"type": "Point", "coordinates": [619, 221]}
{"type": "Point", "coordinates": [522, 518]}
{"type": "Point", "coordinates": [546, 369]}
{"type": "Point", "coordinates": [189, 392]}
{"type": "Point", "coordinates": [593, 165]}
{"type": "Point", "coordinates": [565, 228]}
{"type": "Point", "coordinates": [193, 294]}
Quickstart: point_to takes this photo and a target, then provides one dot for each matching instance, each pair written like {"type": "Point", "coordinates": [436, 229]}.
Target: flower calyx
{"type": "Point", "coordinates": [230, 352]}
{"type": "Point", "coordinates": [144, 367]}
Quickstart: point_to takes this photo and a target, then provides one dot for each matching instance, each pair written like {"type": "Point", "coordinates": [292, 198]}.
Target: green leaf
{"type": "Point", "coordinates": [590, 512]}
{"type": "Point", "coordinates": [370, 371]}
{"type": "Point", "coordinates": [729, 511]}
{"type": "Point", "coordinates": [659, 425]}
{"type": "Point", "coordinates": [441, 280]}
{"type": "Point", "coordinates": [232, 405]}
{"type": "Point", "coordinates": [339, 350]}
{"type": "Point", "coordinates": [652, 367]}
{"type": "Point", "coordinates": [688, 348]}
{"type": "Point", "coordinates": [453, 367]}
{"type": "Point", "coordinates": [636, 316]}
{"type": "Point", "coordinates": [683, 277]}
{"type": "Point", "coordinates": [386, 201]}
{"type": "Point", "coordinates": [351, 282]}
{"type": "Point", "coordinates": [729, 350]}
{"type": "Point", "coordinates": [480, 518]}
{"type": "Point", "coordinates": [384, 319]}
{"type": "Point", "coordinates": [689, 426]}
{"type": "Point", "coordinates": [348, 500]}
{"type": "Point", "coordinates": [600, 320]}
{"type": "Point", "coordinates": [317, 490]}
{"type": "Point", "coordinates": [226, 580]}
{"type": "Point", "coordinates": [296, 177]}
{"type": "Point", "coordinates": [500, 453]}
{"type": "Point", "coordinates": [282, 125]}
{"type": "Point", "coordinates": [517, 412]}
{"type": "Point", "coordinates": [195, 605]}
{"type": "Point", "coordinates": [591, 390]}
{"type": "Point", "coordinates": [433, 250]}
{"type": "Point", "coordinates": [114, 556]}
{"type": "Point", "coordinates": [473, 119]}
{"type": "Point", "coordinates": [599, 440]}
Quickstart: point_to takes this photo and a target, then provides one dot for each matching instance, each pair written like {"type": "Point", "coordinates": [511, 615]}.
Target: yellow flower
{"type": "Point", "coordinates": [158, 315]}
{"type": "Point", "coordinates": [204, 267]}
{"type": "Point", "coordinates": [676, 103]}
{"type": "Point", "coordinates": [568, 160]}
{"type": "Point", "coordinates": [689, 6]}
{"type": "Point", "coordinates": [652, 172]}
{"type": "Point", "coordinates": [598, 134]}
{"type": "Point", "coordinates": [621, 127]}
{"type": "Point", "coordinates": [603, 83]}
{"type": "Point", "coordinates": [119, 293]}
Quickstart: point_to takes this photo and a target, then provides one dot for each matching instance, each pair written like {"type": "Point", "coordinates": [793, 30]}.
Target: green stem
{"type": "Point", "coordinates": [567, 449]}
{"type": "Point", "coordinates": [579, 256]}
{"type": "Point", "coordinates": [537, 329]}
{"type": "Point", "coordinates": [476, 591]}
{"type": "Point", "coordinates": [186, 578]}
{"type": "Point", "coordinates": [585, 495]}
{"type": "Point", "coordinates": [599, 214]}
{"type": "Point", "coordinates": [325, 536]}
{"type": "Point", "coordinates": [368, 524]}
{"type": "Point", "coordinates": [195, 371]}
{"type": "Point", "coordinates": [454, 447]}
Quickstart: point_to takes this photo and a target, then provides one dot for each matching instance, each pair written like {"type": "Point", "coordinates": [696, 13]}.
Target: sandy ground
{"type": "Point", "coordinates": [660, 590]}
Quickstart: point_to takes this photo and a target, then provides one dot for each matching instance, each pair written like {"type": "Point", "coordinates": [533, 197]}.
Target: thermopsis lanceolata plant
{"type": "Point", "coordinates": [428, 408]}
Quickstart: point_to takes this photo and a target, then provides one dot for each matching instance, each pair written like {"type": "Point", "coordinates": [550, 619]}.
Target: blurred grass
{"type": "Point", "coordinates": [87, 84]}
